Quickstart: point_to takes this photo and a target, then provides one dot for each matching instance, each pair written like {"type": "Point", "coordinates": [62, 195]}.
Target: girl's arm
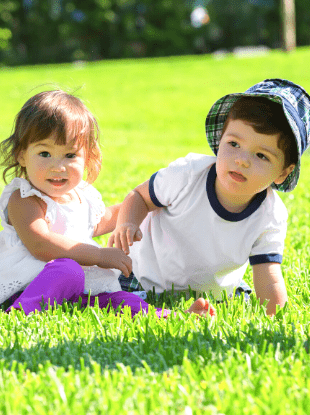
{"type": "Point", "coordinates": [108, 221]}
{"type": "Point", "coordinates": [133, 211]}
{"type": "Point", "coordinates": [27, 217]}
{"type": "Point", "coordinates": [269, 285]}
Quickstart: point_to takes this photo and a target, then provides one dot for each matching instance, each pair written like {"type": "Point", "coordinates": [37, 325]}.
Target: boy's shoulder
{"type": "Point", "coordinates": [199, 158]}
{"type": "Point", "coordinates": [275, 206]}
{"type": "Point", "coordinates": [194, 162]}
{"type": "Point", "coordinates": [180, 178]}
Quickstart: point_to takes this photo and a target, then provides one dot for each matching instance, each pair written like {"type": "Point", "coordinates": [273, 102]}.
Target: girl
{"type": "Point", "coordinates": [50, 215]}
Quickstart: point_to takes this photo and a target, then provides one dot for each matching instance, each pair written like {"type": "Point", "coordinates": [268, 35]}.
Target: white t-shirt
{"type": "Point", "coordinates": [74, 220]}
{"type": "Point", "coordinates": [194, 241]}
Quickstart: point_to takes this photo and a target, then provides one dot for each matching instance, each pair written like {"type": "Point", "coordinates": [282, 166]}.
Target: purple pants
{"type": "Point", "coordinates": [64, 279]}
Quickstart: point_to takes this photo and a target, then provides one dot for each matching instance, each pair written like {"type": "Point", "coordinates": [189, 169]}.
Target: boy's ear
{"type": "Point", "coordinates": [284, 174]}
{"type": "Point", "coordinates": [21, 158]}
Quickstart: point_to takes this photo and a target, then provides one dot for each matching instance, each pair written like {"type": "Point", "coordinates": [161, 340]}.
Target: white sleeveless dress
{"type": "Point", "coordinates": [75, 220]}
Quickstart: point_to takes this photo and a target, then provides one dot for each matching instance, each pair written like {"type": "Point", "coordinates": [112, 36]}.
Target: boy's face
{"type": "Point", "coordinates": [247, 162]}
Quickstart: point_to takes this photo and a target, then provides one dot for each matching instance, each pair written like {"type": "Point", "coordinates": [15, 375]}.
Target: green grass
{"type": "Point", "coordinates": [89, 361]}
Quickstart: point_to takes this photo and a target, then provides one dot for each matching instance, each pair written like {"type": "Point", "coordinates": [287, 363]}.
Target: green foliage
{"type": "Point", "coordinates": [68, 360]}
{"type": "Point", "coordinates": [73, 30]}
{"type": "Point", "coordinates": [7, 9]}
{"type": "Point", "coordinates": [302, 22]}
{"type": "Point", "coordinates": [5, 36]}
{"type": "Point", "coordinates": [244, 23]}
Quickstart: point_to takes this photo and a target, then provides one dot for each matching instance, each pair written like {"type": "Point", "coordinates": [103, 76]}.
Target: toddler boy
{"type": "Point", "coordinates": [204, 217]}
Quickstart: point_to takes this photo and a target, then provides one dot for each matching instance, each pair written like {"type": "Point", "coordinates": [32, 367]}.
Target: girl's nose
{"type": "Point", "coordinates": [58, 166]}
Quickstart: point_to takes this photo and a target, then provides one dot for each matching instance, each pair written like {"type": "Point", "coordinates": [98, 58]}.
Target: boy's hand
{"type": "Point", "coordinates": [115, 258]}
{"type": "Point", "coordinates": [124, 236]}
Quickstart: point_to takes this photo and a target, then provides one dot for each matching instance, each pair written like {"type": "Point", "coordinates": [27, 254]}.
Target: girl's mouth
{"type": "Point", "coordinates": [238, 177]}
{"type": "Point", "coordinates": [57, 182]}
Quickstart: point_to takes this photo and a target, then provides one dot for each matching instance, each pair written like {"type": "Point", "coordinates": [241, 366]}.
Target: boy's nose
{"type": "Point", "coordinates": [242, 161]}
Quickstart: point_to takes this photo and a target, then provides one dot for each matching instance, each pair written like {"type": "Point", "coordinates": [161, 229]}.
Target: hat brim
{"type": "Point", "coordinates": [216, 119]}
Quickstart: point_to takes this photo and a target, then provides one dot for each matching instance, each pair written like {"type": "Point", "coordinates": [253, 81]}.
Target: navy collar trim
{"type": "Point", "coordinates": [221, 211]}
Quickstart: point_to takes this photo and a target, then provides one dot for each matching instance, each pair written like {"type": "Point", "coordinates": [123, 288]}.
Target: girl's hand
{"type": "Point", "coordinates": [28, 218]}
{"type": "Point", "coordinates": [124, 236]}
{"type": "Point", "coordinates": [115, 258]}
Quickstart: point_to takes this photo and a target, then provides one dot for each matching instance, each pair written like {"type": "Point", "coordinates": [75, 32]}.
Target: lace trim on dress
{"type": "Point", "coordinates": [7, 290]}
{"type": "Point", "coordinates": [94, 199]}
{"type": "Point", "coordinates": [92, 196]}
{"type": "Point", "coordinates": [26, 190]}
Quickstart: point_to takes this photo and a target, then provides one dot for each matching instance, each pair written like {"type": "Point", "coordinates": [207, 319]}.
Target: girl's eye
{"type": "Point", "coordinates": [262, 156]}
{"type": "Point", "coordinates": [70, 155]}
{"type": "Point", "coordinates": [45, 154]}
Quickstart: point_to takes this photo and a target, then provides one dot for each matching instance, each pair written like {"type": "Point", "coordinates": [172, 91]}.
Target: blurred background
{"type": "Point", "coordinates": [54, 31]}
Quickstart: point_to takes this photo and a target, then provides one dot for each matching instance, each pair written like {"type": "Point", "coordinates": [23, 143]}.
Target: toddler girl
{"type": "Point", "coordinates": [50, 214]}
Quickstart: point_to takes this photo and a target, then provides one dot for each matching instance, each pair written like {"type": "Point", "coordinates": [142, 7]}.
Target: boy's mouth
{"type": "Point", "coordinates": [238, 177]}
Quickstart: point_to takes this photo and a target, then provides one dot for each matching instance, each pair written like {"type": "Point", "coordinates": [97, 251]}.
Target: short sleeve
{"type": "Point", "coordinates": [269, 246]}
{"type": "Point", "coordinates": [94, 199]}
{"type": "Point", "coordinates": [26, 190]}
{"type": "Point", "coordinates": [169, 183]}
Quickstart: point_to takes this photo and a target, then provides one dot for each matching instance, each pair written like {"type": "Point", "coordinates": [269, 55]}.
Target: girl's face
{"type": "Point", "coordinates": [54, 169]}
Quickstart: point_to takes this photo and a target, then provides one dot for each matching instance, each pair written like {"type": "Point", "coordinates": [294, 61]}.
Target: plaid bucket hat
{"type": "Point", "coordinates": [296, 106]}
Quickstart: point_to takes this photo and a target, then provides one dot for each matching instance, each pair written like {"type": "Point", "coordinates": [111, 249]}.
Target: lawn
{"type": "Point", "coordinates": [89, 361]}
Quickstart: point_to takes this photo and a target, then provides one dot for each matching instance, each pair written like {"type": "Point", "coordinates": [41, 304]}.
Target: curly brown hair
{"type": "Point", "coordinates": [52, 112]}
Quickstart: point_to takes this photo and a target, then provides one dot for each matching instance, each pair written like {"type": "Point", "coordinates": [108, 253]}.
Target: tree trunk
{"type": "Point", "coordinates": [288, 25]}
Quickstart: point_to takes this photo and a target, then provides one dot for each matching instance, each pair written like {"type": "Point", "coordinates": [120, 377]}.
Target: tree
{"type": "Point", "coordinates": [288, 25]}
{"type": "Point", "coordinates": [8, 9]}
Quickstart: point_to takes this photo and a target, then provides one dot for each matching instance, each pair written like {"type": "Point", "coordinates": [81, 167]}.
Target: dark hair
{"type": "Point", "coordinates": [266, 117]}
{"type": "Point", "coordinates": [53, 112]}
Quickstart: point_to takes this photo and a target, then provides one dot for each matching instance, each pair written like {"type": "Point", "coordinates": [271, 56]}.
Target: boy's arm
{"type": "Point", "coordinates": [133, 211]}
{"type": "Point", "coordinates": [269, 285]}
{"type": "Point", "coordinates": [28, 219]}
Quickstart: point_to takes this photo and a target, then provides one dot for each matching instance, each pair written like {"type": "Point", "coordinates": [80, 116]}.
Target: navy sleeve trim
{"type": "Point", "coordinates": [262, 259]}
{"type": "Point", "coordinates": [152, 191]}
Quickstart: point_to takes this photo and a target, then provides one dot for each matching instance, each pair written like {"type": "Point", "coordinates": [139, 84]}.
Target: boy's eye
{"type": "Point", "coordinates": [234, 144]}
{"type": "Point", "coordinates": [262, 156]}
{"type": "Point", "coordinates": [45, 154]}
{"type": "Point", "coordinates": [70, 155]}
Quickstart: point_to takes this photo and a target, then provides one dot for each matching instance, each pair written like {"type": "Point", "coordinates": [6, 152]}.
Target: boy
{"type": "Point", "coordinates": [203, 217]}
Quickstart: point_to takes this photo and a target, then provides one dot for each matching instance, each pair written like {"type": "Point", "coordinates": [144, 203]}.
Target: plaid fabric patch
{"type": "Point", "coordinates": [243, 288]}
{"type": "Point", "coordinates": [129, 284]}
{"type": "Point", "coordinates": [296, 106]}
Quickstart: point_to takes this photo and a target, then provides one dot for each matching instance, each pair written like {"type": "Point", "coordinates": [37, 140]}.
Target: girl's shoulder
{"type": "Point", "coordinates": [94, 200]}
{"type": "Point", "coordinates": [89, 191]}
{"type": "Point", "coordinates": [15, 193]}
{"type": "Point", "coordinates": [25, 190]}
{"type": "Point", "coordinates": [23, 185]}
{"type": "Point", "coordinates": [16, 184]}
